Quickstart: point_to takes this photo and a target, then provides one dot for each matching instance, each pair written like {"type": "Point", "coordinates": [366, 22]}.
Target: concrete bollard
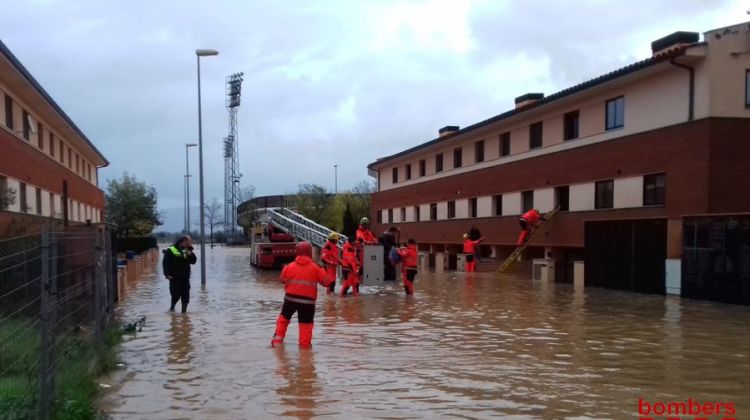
{"type": "Point", "coordinates": [439, 262]}
{"type": "Point", "coordinates": [578, 279]}
{"type": "Point", "coordinates": [461, 262]}
{"type": "Point", "coordinates": [424, 260]}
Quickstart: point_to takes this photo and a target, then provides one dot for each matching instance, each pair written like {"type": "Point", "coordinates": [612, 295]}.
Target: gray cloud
{"type": "Point", "coordinates": [333, 82]}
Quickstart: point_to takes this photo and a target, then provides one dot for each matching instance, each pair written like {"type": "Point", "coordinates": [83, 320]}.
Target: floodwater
{"type": "Point", "coordinates": [466, 346]}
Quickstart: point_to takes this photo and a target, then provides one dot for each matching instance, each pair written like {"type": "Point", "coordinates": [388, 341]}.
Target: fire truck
{"type": "Point", "coordinates": [271, 247]}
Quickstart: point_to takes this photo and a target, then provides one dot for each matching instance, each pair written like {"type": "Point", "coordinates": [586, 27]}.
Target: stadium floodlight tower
{"type": "Point", "coordinates": [231, 157]}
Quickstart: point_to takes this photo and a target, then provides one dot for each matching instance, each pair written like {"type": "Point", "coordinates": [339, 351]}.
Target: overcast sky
{"type": "Point", "coordinates": [326, 82]}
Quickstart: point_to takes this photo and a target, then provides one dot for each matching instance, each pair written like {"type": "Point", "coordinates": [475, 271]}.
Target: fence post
{"type": "Point", "coordinates": [44, 315]}
{"type": "Point", "coordinates": [98, 272]}
{"type": "Point", "coordinates": [108, 277]}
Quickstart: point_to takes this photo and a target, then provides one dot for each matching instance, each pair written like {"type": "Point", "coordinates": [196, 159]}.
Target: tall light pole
{"type": "Point", "coordinates": [335, 179]}
{"type": "Point", "coordinates": [198, 54]}
{"type": "Point", "coordinates": [187, 187]}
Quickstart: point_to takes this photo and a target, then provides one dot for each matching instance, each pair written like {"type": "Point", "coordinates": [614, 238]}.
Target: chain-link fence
{"type": "Point", "coordinates": [56, 298]}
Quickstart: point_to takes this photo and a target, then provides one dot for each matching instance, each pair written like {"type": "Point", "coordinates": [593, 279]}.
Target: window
{"type": "Point", "coordinates": [52, 144]}
{"type": "Point", "coordinates": [457, 155]}
{"type": "Point", "coordinates": [390, 215]}
{"type": "Point", "coordinates": [479, 151]}
{"type": "Point", "coordinates": [8, 112]}
{"type": "Point", "coordinates": [38, 201]}
{"type": "Point", "coordinates": [439, 162]}
{"type": "Point", "coordinates": [451, 209]}
{"type": "Point", "coordinates": [25, 124]}
{"type": "Point", "coordinates": [504, 144]}
{"type": "Point", "coordinates": [570, 121]}
{"type": "Point", "coordinates": [78, 168]}
{"type": "Point", "coordinates": [473, 207]}
{"type": "Point", "coordinates": [40, 136]}
{"type": "Point", "coordinates": [70, 158]}
{"type": "Point", "coordinates": [562, 197]}
{"type": "Point", "coordinates": [380, 217]}
{"type": "Point", "coordinates": [747, 88]}
{"type": "Point", "coordinates": [654, 189]}
{"type": "Point", "coordinates": [527, 201]}
{"type": "Point", "coordinates": [604, 195]}
{"type": "Point", "coordinates": [497, 202]}
{"type": "Point", "coordinates": [395, 175]}
{"type": "Point", "coordinates": [416, 214]}
{"type": "Point", "coordinates": [535, 135]}
{"type": "Point", "coordinates": [403, 214]}
{"type": "Point", "coordinates": [22, 197]}
{"type": "Point", "coordinates": [3, 188]}
{"type": "Point", "coordinates": [408, 171]}
{"type": "Point", "coordinates": [433, 211]}
{"type": "Point", "coordinates": [52, 209]}
{"type": "Point", "coordinates": [422, 168]}
{"type": "Point", "coordinates": [62, 152]}
{"type": "Point", "coordinates": [615, 113]}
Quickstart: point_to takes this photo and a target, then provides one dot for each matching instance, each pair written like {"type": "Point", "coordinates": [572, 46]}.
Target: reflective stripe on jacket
{"type": "Point", "coordinates": [302, 276]}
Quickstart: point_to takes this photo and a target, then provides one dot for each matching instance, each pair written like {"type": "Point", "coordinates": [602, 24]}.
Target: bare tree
{"type": "Point", "coordinates": [213, 218]}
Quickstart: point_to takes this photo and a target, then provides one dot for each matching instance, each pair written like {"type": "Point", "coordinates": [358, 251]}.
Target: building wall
{"type": "Point", "coordinates": [42, 135]}
{"type": "Point", "coordinates": [693, 155]}
{"type": "Point", "coordinates": [656, 100]}
{"type": "Point", "coordinates": [22, 161]}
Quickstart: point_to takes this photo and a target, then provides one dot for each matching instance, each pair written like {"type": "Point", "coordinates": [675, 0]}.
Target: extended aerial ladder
{"type": "Point", "coordinates": [517, 252]}
{"type": "Point", "coordinates": [301, 227]}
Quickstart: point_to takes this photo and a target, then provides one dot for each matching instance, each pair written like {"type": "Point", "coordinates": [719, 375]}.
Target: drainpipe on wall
{"type": "Point", "coordinates": [691, 102]}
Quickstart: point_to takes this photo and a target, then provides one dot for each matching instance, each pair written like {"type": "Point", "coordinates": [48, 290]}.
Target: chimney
{"type": "Point", "coordinates": [448, 129]}
{"type": "Point", "coordinates": [528, 99]}
{"type": "Point", "coordinates": [673, 41]}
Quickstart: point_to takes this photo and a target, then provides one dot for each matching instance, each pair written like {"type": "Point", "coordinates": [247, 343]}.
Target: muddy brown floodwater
{"type": "Point", "coordinates": [465, 346]}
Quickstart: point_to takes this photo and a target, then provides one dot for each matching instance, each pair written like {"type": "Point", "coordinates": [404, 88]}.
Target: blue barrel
{"type": "Point", "coordinates": [130, 254]}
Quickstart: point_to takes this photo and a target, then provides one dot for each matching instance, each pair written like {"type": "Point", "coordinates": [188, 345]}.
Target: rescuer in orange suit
{"type": "Point", "coordinates": [364, 232]}
{"type": "Point", "coordinates": [349, 270]}
{"type": "Point", "coordinates": [409, 258]}
{"type": "Point", "coordinates": [300, 278]}
{"type": "Point", "coordinates": [528, 221]}
{"type": "Point", "coordinates": [470, 249]}
{"type": "Point", "coordinates": [364, 237]}
{"type": "Point", "coordinates": [330, 258]}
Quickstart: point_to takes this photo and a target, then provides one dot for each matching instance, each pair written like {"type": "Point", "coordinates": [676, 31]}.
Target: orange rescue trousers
{"type": "Point", "coordinates": [409, 275]}
{"type": "Point", "coordinates": [351, 279]}
{"type": "Point", "coordinates": [305, 315]}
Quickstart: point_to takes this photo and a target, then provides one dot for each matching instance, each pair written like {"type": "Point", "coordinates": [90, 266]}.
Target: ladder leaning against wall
{"type": "Point", "coordinates": [517, 252]}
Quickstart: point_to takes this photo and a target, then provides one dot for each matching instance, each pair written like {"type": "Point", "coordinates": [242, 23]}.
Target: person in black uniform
{"type": "Point", "coordinates": [176, 263]}
{"type": "Point", "coordinates": [389, 239]}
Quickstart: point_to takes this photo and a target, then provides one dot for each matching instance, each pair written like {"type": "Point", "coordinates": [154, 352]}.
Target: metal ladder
{"type": "Point", "coordinates": [514, 255]}
{"type": "Point", "coordinates": [301, 227]}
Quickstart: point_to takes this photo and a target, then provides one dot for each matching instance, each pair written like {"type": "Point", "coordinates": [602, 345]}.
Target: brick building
{"type": "Point", "coordinates": [44, 157]}
{"type": "Point", "coordinates": [626, 156]}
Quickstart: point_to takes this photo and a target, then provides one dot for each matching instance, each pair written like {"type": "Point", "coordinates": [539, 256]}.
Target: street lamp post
{"type": "Point", "coordinates": [187, 187]}
{"type": "Point", "coordinates": [335, 179]}
{"type": "Point", "coordinates": [198, 54]}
